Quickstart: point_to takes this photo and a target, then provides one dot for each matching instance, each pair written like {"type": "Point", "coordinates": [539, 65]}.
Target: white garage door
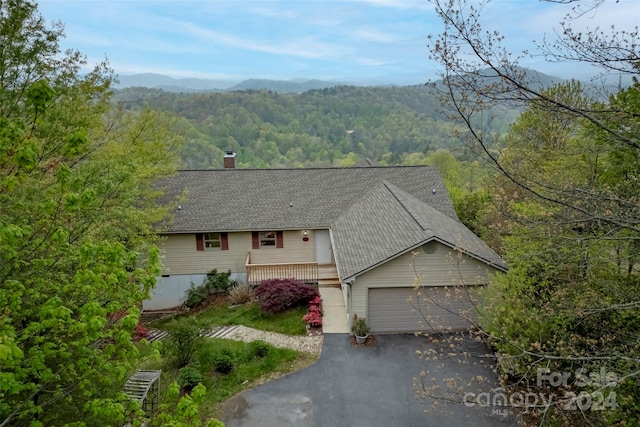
{"type": "Point", "coordinates": [439, 309]}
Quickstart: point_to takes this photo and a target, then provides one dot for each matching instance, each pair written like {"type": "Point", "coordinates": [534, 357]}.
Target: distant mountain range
{"type": "Point", "coordinates": [169, 84]}
{"type": "Point", "coordinates": [159, 81]}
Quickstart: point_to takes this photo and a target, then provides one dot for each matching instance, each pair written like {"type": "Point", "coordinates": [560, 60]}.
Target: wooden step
{"type": "Point", "coordinates": [329, 283]}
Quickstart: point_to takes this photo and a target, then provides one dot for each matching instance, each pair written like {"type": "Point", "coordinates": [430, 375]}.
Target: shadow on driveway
{"type": "Point", "coordinates": [362, 386]}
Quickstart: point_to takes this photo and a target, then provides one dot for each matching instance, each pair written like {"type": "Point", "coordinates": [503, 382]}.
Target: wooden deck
{"type": "Point", "coordinates": [306, 272]}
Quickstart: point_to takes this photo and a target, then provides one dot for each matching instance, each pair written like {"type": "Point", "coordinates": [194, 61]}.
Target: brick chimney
{"type": "Point", "coordinates": [230, 160]}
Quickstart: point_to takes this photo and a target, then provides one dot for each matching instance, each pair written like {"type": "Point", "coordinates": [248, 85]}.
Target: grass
{"type": "Point", "coordinates": [249, 369]}
{"type": "Point", "coordinates": [219, 314]}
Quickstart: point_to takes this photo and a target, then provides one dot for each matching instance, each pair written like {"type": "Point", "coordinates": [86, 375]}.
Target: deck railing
{"type": "Point", "coordinates": [306, 272]}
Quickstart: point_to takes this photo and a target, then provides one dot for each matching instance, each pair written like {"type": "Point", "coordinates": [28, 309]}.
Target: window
{"type": "Point", "coordinates": [268, 238]}
{"type": "Point", "coordinates": [212, 240]}
{"type": "Point", "coordinates": [208, 241]}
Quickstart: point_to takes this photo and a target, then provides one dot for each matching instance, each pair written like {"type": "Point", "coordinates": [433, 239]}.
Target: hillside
{"type": "Point", "coordinates": [318, 127]}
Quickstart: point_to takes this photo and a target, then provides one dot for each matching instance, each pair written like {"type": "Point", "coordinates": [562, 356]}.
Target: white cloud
{"type": "Point", "coordinates": [371, 62]}
{"type": "Point", "coordinates": [304, 47]}
{"type": "Point", "coordinates": [274, 13]}
{"type": "Point", "coordinates": [401, 4]}
{"type": "Point", "coordinates": [369, 35]}
{"type": "Point", "coordinates": [125, 68]}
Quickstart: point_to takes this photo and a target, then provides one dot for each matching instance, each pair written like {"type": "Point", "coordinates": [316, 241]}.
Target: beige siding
{"type": "Point", "coordinates": [295, 250]}
{"type": "Point", "coordinates": [181, 257]}
{"type": "Point", "coordinates": [442, 268]}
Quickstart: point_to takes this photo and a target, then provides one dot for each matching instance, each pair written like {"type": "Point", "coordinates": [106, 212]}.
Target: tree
{"type": "Point", "coordinates": [492, 78]}
{"type": "Point", "coordinates": [76, 228]}
{"type": "Point", "coordinates": [565, 212]}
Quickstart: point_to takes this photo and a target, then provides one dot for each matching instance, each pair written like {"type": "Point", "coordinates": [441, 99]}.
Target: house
{"type": "Point", "coordinates": [371, 230]}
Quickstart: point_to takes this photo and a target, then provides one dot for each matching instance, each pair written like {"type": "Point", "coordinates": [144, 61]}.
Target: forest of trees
{"type": "Point", "coordinates": [332, 126]}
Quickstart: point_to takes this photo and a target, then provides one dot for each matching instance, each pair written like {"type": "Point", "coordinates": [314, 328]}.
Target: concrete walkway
{"type": "Point", "coordinates": [334, 319]}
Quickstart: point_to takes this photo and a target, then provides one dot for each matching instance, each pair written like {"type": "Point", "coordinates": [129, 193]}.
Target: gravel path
{"type": "Point", "coordinates": [309, 344]}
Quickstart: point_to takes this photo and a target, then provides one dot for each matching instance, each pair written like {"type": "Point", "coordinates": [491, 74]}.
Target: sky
{"type": "Point", "coordinates": [344, 40]}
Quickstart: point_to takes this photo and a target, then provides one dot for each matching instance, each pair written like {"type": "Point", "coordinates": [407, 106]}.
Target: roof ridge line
{"type": "Point", "coordinates": [387, 184]}
{"type": "Point", "coordinates": [309, 168]}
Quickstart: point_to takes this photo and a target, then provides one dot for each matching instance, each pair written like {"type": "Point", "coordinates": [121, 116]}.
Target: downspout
{"type": "Point", "coordinates": [350, 305]}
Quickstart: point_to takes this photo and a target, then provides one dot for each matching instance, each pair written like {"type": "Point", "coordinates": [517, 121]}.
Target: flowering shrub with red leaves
{"type": "Point", "coordinates": [316, 301]}
{"type": "Point", "coordinates": [277, 295]}
{"type": "Point", "coordinates": [314, 316]}
{"type": "Point", "coordinates": [139, 331]}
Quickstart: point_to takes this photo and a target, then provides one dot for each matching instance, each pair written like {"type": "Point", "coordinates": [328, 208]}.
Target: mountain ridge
{"type": "Point", "coordinates": [170, 84]}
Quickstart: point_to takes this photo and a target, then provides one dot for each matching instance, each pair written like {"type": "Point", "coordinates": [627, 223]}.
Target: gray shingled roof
{"type": "Point", "coordinates": [283, 199]}
{"type": "Point", "coordinates": [387, 222]}
{"type": "Point", "coordinates": [367, 162]}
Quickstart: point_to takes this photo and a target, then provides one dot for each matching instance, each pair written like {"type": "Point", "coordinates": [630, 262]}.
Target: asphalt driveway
{"type": "Point", "coordinates": [362, 386]}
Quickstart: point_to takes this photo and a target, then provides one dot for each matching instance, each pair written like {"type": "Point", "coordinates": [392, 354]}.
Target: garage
{"type": "Point", "coordinates": [389, 309]}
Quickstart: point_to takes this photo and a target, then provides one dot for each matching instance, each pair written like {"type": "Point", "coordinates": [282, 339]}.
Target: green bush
{"type": "Point", "coordinates": [196, 296]}
{"type": "Point", "coordinates": [189, 377]}
{"type": "Point", "coordinates": [216, 355]}
{"type": "Point", "coordinates": [223, 360]}
{"type": "Point", "coordinates": [219, 282]}
{"type": "Point", "coordinates": [259, 348]}
{"type": "Point", "coordinates": [183, 340]}
{"type": "Point", "coordinates": [214, 283]}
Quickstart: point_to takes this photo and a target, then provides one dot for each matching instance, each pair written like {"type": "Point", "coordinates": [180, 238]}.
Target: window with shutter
{"type": "Point", "coordinates": [267, 239]}
{"type": "Point", "coordinates": [212, 241]}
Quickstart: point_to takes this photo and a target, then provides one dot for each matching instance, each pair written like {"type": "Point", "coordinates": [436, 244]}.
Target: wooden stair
{"type": "Point", "coordinates": [329, 283]}
{"type": "Point", "coordinates": [328, 276]}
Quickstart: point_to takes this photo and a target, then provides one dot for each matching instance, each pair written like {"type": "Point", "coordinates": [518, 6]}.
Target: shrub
{"type": "Point", "coordinates": [196, 296]}
{"type": "Point", "coordinates": [139, 332]}
{"type": "Point", "coordinates": [214, 283]}
{"type": "Point", "coordinates": [189, 377]}
{"type": "Point", "coordinates": [316, 301]}
{"type": "Point", "coordinates": [277, 295]}
{"type": "Point", "coordinates": [183, 340]}
{"type": "Point", "coordinates": [219, 282]}
{"type": "Point", "coordinates": [241, 295]}
{"type": "Point", "coordinates": [359, 326]}
{"type": "Point", "coordinates": [259, 348]}
{"type": "Point", "coordinates": [223, 361]}
{"type": "Point", "coordinates": [314, 316]}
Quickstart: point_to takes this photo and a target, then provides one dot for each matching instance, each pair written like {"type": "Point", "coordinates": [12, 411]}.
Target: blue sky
{"type": "Point", "coordinates": [347, 40]}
